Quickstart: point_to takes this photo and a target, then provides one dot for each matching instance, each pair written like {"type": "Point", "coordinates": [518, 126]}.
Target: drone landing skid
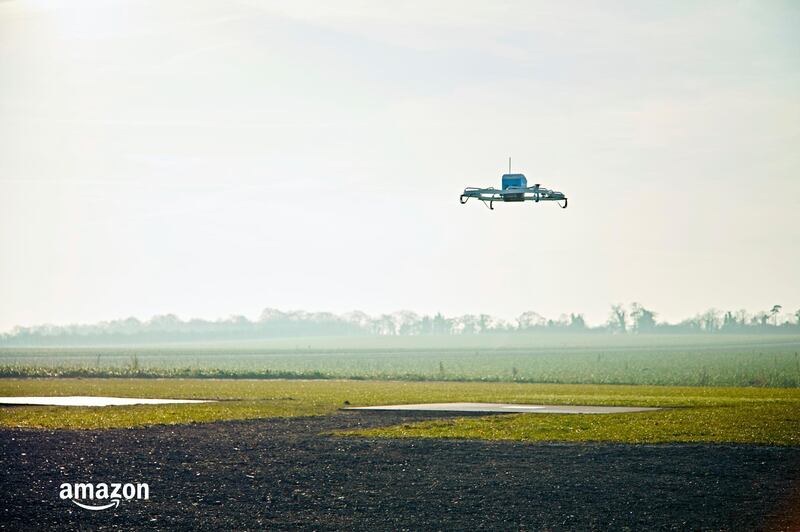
{"type": "Point", "coordinates": [535, 194]}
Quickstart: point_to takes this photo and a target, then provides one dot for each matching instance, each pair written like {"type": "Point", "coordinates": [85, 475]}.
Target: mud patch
{"type": "Point", "coordinates": [283, 474]}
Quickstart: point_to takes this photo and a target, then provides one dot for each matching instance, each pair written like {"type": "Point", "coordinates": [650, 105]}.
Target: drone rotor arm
{"type": "Point", "coordinates": [535, 193]}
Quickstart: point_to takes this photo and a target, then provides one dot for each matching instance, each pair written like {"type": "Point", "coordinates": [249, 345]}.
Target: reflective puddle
{"type": "Point", "coordinates": [510, 408]}
{"type": "Point", "coordinates": [88, 400]}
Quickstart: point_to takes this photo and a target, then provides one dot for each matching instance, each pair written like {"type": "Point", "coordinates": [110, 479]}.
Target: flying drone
{"type": "Point", "coordinates": [515, 189]}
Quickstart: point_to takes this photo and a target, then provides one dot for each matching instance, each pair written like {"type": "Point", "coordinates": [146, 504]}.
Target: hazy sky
{"type": "Point", "coordinates": [217, 157]}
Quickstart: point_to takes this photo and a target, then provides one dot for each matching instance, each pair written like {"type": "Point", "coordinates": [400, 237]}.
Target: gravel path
{"type": "Point", "coordinates": [281, 474]}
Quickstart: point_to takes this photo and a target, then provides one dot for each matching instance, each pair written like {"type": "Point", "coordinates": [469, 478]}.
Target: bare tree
{"type": "Point", "coordinates": [618, 318]}
{"type": "Point", "coordinates": [643, 319]}
{"type": "Point", "coordinates": [760, 318]}
{"type": "Point", "coordinates": [529, 320]}
{"type": "Point", "coordinates": [742, 316]}
{"type": "Point", "coordinates": [577, 322]}
{"type": "Point", "coordinates": [710, 320]}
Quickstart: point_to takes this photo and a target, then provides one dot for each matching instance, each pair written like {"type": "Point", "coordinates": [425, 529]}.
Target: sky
{"type": "Point", "coordinates": [210, 158]}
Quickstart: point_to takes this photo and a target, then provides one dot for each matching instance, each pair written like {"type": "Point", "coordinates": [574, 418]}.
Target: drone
{"type": "Point", "coordinates": [515, 189]}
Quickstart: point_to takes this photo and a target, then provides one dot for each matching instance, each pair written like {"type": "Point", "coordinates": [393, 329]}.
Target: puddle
{"type": "Point", "coordinates": [87, 400]}
{"type": "Point", "coordinates": [510, 408]}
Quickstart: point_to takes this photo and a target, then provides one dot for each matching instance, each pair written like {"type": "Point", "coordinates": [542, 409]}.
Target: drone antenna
{"type": "Point", "coordinates": [509, 165]}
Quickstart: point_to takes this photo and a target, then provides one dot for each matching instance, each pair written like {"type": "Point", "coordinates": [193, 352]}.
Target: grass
{"type": "Point", "coordinates": [768, 424]}
{"type": "Point", "coordinates": [696, 360]}
{"type": "Point", "coordinates": [698, 414]}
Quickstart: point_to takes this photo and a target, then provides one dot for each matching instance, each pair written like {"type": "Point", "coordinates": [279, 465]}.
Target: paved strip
{"type": "Point", "coordinates": [86, 400]}
{"type": "Point", "coordinates": [509, 408]}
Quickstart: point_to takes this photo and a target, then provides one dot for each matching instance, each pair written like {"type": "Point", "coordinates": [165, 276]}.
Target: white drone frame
{"type": "Point", "coordinates": [513, 194]}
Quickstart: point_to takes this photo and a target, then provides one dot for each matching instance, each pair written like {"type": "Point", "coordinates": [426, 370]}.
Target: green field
{"type": "Point", "coordinates": [723, 388]}
{"type": "Point", "coordinates": [696, 360]}
{"type": "Point", "coordinates": [767, 422]}
{"type": "Point", "coordinates": [708, 414]}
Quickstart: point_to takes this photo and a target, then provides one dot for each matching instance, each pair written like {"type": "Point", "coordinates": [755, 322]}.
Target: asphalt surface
{"type": "Point", "coordinates": [283, 474]}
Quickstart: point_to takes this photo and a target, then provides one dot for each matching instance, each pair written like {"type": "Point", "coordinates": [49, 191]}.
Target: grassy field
{"type": "Point", "coordinates": [774, 423]}
{"type": "Point", "coordinates": [709, 414]}
{"type": "Point", "coordinates": [696, 360]}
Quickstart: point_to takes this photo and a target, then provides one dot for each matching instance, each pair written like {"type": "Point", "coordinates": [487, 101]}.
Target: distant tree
{"type": "Point", "coordinates": [562, 322]}
{"type": "Point", "coordinates": [499, 325]}
{"type": "Point", "coordinates": [761, 319]}
{"type": "Point", "coordinates": [426, 325]}
{"type": "Point", "coordinates": [774, 311]}
{"type": "Point", "coordinates": [384, 326]}
{"type": "Point", "coordinates": [440, 324]}
{"type": "Point", "coordinates": [529, 320]}
{"type": "Point", "coordinates": [238, 319]}
{"type": "Point", "coordinates": [710, 320]}
{"type": "Point", "coordinates": [729, 320]}
{"type": "Point", "coordinates": [271, 314]}
{"type": "Point", "coordinates": [357, 319]}
{"type": "Point", "coordinates": [617, 320]}
{"type": "Point", "coordinates": [407, 323]}
{"type": "Point", "coordinates": [576, 322]}
{"type": "Point", "coordinates": [643, 319]}
{"type": "Point", "coordinates": [742, 316]}
{"type": "Point", "coordinates": [483, 323]}
{"type": "Point", "coordinates": [165, 322]}
{"type": "Point", "coordinates": [298, 323]}
{"type": "Point", "coordinates": [130, 326]}
{"type": "Point", "coordinates": [467, 324]}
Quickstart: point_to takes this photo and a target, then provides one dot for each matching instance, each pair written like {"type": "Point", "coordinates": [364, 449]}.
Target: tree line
{"type": "Point", "coordinates": [272, 323]}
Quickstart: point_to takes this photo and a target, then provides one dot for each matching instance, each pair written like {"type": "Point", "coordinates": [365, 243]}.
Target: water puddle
{"type": "Point", "coordinates": [510, 408]}
{"type": "Point", "coordinates": [87, 400]}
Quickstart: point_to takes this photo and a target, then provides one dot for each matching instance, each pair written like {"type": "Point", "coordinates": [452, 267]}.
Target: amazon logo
{"type": "Point", "coordinates": [102, 496]}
